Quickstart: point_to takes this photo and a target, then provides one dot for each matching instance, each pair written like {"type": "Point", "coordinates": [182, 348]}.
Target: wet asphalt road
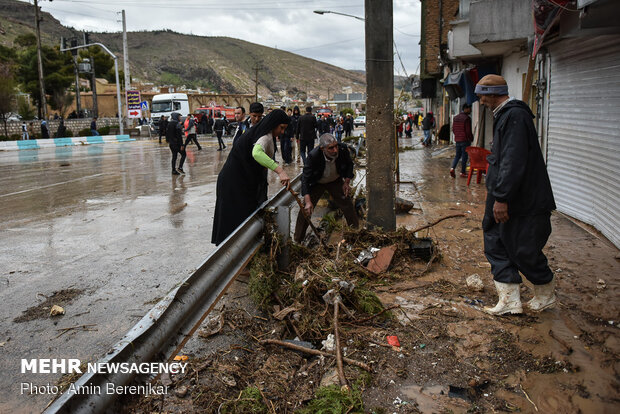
{"type": "Point", "coordinates": [106, 219]}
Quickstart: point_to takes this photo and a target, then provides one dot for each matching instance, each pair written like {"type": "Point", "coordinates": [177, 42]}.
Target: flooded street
{"type": "Point", "coordinates": [108, 228]}
{"type": "Point", "coordinates": [111, 232]}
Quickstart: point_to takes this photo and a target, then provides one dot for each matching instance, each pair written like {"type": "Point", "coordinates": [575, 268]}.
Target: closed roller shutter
{"type": "Point", "coordinates": [583, 156]}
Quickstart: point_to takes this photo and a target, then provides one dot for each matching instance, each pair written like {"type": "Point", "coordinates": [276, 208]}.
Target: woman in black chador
{"type": "Point", "coordinates": [242, 182]}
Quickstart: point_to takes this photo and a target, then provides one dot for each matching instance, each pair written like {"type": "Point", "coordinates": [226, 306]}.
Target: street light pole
{"type": "Point", "coordinates": [43, 100]}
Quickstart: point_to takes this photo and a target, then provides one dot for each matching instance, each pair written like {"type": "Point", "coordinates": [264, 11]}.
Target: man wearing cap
{"type": "Point", "coordinates": [327, 168]}
{"type": "Point", "coordinates": [461, 126]}
{"type": "Point", "coordinates": [516, 223]}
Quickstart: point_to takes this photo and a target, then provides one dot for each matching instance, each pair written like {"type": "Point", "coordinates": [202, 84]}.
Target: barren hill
{"type": "Point", "coordinates": [220, 64]}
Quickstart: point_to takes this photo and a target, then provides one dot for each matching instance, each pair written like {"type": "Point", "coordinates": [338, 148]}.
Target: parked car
{"type": "Point", "coordinates": [360, 121]}
{"type": "Point", "coordinates": [13, 117]}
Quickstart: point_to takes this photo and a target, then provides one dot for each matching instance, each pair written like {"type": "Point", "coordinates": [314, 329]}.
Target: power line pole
{"type": "Point", "coordinates": [126, 63]}
{"type": "Point", "coordinates": [256, 68]}
{"type": "Point", "coordinates": [380, 113]}
{"type": "Point", "coordinates": [43, 100]}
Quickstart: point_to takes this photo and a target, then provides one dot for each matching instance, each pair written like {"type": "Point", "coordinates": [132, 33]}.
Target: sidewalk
{"type": "Point", "coordinates": [452, 357]}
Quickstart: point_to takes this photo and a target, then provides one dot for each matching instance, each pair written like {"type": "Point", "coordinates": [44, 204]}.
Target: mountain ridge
{"type": "Point", "coordinates": [220, 64]}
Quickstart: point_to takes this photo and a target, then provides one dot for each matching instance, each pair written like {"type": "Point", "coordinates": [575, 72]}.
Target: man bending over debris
{"type": "Point", "coordinates": [516, 221]}
{"type": "Point", "coordinates": [328, 168]}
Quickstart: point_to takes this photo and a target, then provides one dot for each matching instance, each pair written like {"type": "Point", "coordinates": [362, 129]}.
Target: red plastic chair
{"type": "Point", "coordinates": [477, 162]}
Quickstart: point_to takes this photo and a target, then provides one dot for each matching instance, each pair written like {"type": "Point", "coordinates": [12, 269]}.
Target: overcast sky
{"type": "Point", "coordinates": [288, 25]}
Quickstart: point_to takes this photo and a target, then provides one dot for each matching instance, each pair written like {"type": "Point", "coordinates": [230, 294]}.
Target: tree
{"type": "Point", "coordinates": [7, 93]}
{"type": "Point", "coordinates": [57, 68]}
{"type": "Point", "coordinates": [101, 61]}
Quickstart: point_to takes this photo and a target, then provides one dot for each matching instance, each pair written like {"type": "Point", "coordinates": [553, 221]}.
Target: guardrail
{"type": "Point", "coordinates": [165, 329]}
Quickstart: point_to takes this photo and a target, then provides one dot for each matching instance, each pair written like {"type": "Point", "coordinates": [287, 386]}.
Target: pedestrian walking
{"type": "Point", "coordinates": [328, 168]}
{"type": "Point", "coordinates": [190, 131]}
{"type": "Point", "coordinates": [174, 136]}
{"type": "Point", "coordinates": [163, 126]}
{"type": "Point", "coordinates": [45, 133]}
{"type": "Point", "coordinates": [93, 127]}
{"type": "Point", "coordinates": [25, 135]}
{"type": "Point", "coordinates": [307, 133]}
{"type": "Point", "coordinates": [428, 124]}
{"type": "Point", "coordinates": [461, 126]}
{"type": "Point", "coordinates": [295, 122]}
{"type": "Point", "coordinates": [516, 223]}
{"type": "Point", "coordinates": [286, 140]}
{"type": "Point", "coordinates": [347, 125]}
{"type": "Point", "coordinates": [242, 181]}
{"type": "Point", "coordinates": [61, 131]}
{"type": "Point", "coordinates": [220, 126]}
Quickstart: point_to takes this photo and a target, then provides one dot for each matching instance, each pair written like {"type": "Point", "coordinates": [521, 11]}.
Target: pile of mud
{"type": "Point", "coordinates": [449, 355]}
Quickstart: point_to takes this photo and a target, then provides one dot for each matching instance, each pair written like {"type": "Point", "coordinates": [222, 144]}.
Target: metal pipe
{"type": "Point", "coordinates": [165, 329]}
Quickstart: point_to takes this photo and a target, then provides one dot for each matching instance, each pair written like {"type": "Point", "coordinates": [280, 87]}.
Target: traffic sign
{"type": "Point", "coordinates": [144, 105]}
{"type": "Point", "coordinates": [134, 113]}
{"type": "Point", "coordinates": [133, 100]}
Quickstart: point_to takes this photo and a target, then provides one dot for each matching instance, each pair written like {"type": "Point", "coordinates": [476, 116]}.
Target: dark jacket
{"type": "Point", "coordinates": [461, 126]}
{"type": "Point", "coordinates": [307, 127]}
{"type": "Point", "coordinates": [428, 122]}
{"type": "Point", "coordinates": [347, 124]}
{"type": "Point", "coordinates": [517, 173]}
{"type": "Point", "coordinates": [93, 124]}
{"type": "Point", "coordinates": [220, 124]}
{"type": "Point", "coordinates": [323, 126]}
{"type": "Point", "coordinates": [162, 126]}
{"type": "Point", "coordinates": [174, 131]}
{"type": "Point", "coordinates": [315, 164]}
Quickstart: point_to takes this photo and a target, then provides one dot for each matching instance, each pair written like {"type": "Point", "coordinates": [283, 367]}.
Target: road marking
{"type": "Point", "coordinates": [51, 185]}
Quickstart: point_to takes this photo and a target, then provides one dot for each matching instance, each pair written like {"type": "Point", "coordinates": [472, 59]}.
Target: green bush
{"type": "Point", "coordinates": [83, 132]}
{"type": "Point", "coordinates": [346, 111]}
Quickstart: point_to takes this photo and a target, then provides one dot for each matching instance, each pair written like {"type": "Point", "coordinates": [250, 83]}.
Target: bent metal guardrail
{"type": "Point", "coordinates": [165, 329]}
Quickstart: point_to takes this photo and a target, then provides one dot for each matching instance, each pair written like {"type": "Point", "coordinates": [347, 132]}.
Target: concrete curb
{"type": "Point", "coordinates": [62, 142]}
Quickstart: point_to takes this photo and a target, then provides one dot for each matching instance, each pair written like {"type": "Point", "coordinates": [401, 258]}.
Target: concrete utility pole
{"type": "Point", "coordinates": [78, 100]}
{"type": "Point", "coordinates": [256, 68]}
{"type": "Point", "coordinates": [380, 113]}
{"type": "Point", "coordinates": [126, 65]}
{"type": "Point", "coordinates": [43, 100]}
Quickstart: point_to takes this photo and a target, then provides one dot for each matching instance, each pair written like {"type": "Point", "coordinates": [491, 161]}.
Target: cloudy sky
{"type": "Point", "coordinates": [288, 25]}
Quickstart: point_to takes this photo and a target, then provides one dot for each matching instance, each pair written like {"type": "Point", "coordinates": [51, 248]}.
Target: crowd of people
{"type": "Point", "coordinates": [516, 223]}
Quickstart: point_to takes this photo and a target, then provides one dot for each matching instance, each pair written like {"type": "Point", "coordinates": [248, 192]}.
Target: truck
{"type": "Point", "coordinates": [216, 112]}
{"type": "Point", "coordinates": [166, 104]}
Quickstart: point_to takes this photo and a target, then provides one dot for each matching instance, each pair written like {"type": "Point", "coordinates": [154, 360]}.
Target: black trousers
{"type": "Point", "coordinates": [190, 138]}
{"type": "Point", "coordinates": [516, 246]}
{"type": "Point", "coordinates": [177, 150]}
{"type": "Point", "coordinates": [305, 146]}
{"type": "Point", "coordinates": [345, 204]}
{"type": "Point", "coordinates": [220, 141]}
{"type": "Point", "coordinates": [287, 154]}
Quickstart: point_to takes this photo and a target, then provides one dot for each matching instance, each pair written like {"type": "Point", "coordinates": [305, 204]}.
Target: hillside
{"type": "Point", "coordinates": [221, 64]}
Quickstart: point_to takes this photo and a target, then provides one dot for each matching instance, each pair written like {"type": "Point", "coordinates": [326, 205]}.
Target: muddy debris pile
{"type": "Point", "coordinates": [320, 338]}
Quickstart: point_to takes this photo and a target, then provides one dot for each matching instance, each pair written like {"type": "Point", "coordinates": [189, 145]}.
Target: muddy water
{"type": "Point", "coordinates": [580, 334]}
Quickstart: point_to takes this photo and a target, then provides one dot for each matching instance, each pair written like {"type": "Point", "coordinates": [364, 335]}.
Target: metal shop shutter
{"type": "Point", "coordinates": [583, 156]}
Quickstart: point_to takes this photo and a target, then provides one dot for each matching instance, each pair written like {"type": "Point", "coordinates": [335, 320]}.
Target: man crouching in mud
{"type": "Point", "coordinates": [519, 202]}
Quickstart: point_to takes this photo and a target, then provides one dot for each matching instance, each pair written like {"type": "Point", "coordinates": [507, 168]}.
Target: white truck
{"type": "Point", "coordinates": [166, 104]}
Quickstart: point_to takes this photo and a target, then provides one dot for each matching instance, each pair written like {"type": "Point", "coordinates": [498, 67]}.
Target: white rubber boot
{"type": "Point", "coordinates": [509, 299]}
{"type": "Point", "coordinates": [544, 297]}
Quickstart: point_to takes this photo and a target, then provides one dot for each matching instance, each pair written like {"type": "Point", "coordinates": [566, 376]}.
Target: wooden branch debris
{"type": "Point", "coordinates": [308, 219]}
{"type": "Point", "coordinates": [315, 352]}
{"type": "Point", "coordinates": [341, 377]}
{"type": "Point", "coordinates": [437, 222]}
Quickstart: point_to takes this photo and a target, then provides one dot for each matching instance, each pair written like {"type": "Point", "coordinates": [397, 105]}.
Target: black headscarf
{"type": "Point", "coordinates": [264, 126]}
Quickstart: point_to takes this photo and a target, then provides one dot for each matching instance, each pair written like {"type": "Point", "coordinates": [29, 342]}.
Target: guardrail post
{"type": "Point", "coordinates": [283, 224]}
